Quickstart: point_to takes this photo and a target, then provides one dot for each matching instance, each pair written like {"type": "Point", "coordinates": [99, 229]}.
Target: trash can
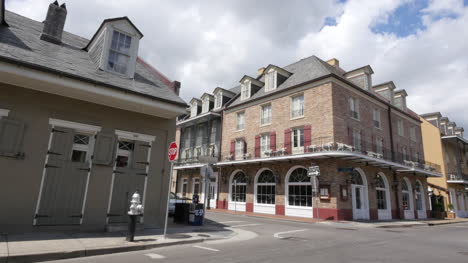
{"type": "Point", "coordinates": [196, 214]}
{"type": "Point", "coordinates": [181, 213]}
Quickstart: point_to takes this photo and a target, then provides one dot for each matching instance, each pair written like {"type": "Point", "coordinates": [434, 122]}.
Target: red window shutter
{"type": "Point", "coordinates": [307, 137]}
{"type": "Point", "coordinates": [273, 141]}
{"type": "Point", "coordinates": [257, 146]}
{"type": "Point", "coordinates": [287, 140]}
{"type": "Point", "coordinates": [233, 148]}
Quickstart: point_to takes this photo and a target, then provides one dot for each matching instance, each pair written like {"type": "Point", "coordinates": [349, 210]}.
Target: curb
{"type": "Point", "coordinates": [400, 226]}
{"type": "Point", "coordinates": [446, 223]}
{"type": "Point", "coordinates": [93, 252]}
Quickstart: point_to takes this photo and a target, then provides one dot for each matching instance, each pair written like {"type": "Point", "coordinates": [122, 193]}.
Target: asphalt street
{"type": "Point", "coordinates": [271, 240]}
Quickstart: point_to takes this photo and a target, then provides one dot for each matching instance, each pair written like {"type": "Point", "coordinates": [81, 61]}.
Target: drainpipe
{"type": "Point", "coordinates": [392, 149]}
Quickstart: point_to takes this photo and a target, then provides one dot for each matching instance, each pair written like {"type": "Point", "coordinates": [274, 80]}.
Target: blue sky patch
{"type": "Point", "coordinates": [405, 20]}
{"type": "Point", "coordinates": [330, 21]}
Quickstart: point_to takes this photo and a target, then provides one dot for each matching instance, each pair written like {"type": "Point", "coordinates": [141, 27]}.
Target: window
{"type": "Point", "coordinates": [405, 196]}
{"type": "Point", "coordinates": [266, 188]}
{"type": "Point", "coordinates": [297, 109]}
{"type": "Point", "coordinates": [265, 116]}
{"type": "Point", "coordinates": [413, 133]}
{"type": "Point", "coordinates": [404, 152]}
{"type": "Point", "coordinates": [325, 192]}
{"type": "Point", "coordinates": [239, 149]}
{"type": "Point", "coordinates": [354, 106]}
{"type": "Point", "coordinates": [206, 105]}
{"type": "Point", "coordinates": [379, 145]}
{"type": "Point", "coordinates": [238, 187]}
{"type": "Point", "coordinates": [124, 153]}
{"type": "Point", "coordinates": [264, 144]}
{"type": "Point", "coordinates": [299, 189]}
{"type": "Point", "coordinates": [240, 121]}
{"type": "Point", "coordinates": [381, 191]}
{"type": "Point", "coordinates": [200, 135]}
{"type": "Point", "coordinates": [419, 196]}
{"type": "Point", "coordinates": [119, 54]}
{"type": "Point", "coordinates": [357, 139]}
{"type": "Point", "coordinates": [297, 139]}
{"type": "Point", "coordinates": [184, 187]}
{"type": "Point", "coordinates": [245, 90]}
{"type": "Point", "coordinates": [196, 186]}
{"type": "Point", "coordinates": [80, 148]}
{"type": "Point", "coordinates": [218, 100]}
{"type": "Point", "coordinates": [400, 128]}
{"type": "Point", "coordinates": [377, 118]}
{"type": "Point", "coordinates": [194, 109]}
{"type": "Point", "coordinates": [270, 80]}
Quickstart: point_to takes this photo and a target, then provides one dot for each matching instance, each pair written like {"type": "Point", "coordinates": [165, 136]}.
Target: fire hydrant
{"type": "Point", "coordinates": [136, 209]}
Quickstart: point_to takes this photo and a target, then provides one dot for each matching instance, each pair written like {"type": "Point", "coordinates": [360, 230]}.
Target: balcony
{"type": "Point", "coordinates": [367, 152]}
{"type": "Point", "coordinates": [189, 157]}
{"type": "Point", "coordinates": [456, 177]}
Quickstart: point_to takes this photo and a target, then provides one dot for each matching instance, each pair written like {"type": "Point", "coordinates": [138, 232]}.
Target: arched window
{"type": "Point", "coordinates": [266, 188]}
{"type": "Point", "coordinates": [356, 178]}
{"type": "Point", "coordinates": [381, 191]}
{"type": "Point", "coordinates": [405, 196]}
{"type": "Point", "coordinates": [299, 188]}
{"type": "Point", "coordinates": [239, 186]}
{"type": "Point", "coordinates": [419, 197]}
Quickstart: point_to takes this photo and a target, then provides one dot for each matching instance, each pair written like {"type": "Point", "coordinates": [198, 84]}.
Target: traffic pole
{"type": "Point", "coordinates": [168, 201]}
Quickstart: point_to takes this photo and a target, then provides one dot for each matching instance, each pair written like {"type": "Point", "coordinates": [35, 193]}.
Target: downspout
{"type": "Point", "coordinates": [392, 149]}
{"type": "Point", "coordinates": [219, 157]}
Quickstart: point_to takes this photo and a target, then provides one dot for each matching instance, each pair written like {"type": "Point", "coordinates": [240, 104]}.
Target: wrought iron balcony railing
{"type": "Point", "coordinates": [191, 155]}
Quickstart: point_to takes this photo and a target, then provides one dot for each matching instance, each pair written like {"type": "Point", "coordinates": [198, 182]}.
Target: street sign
{"type": "Point", "coordinates": [172, 152]}
{"type": "Point", "coordinates": [314, 171]}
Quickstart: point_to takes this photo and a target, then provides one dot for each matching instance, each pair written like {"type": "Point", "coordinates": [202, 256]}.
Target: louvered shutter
{"type": "Point", "coordinates": [287, 140]}
{"type": "Point", "coordinates": [257, 146]}
{"type": "Point", "coordinates": [307, 137]}
{"type": "Point", "coordinates": [104, 149]}
{"type": "Point", "coordinates": [233, 148]}
{"type": "Point", "coordinates": [11, 136]}
{"type": "Point", "coordinates": [62, 143]}
{"type": "Point", "coordinates": [273, 141]}
{"type": "Point", "coordinates": [245, 145]}
{"type": "Point", "coordinates": [140, 155]}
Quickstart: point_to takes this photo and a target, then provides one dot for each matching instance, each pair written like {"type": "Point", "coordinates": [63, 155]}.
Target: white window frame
{"type": "Point", "coordinates": [377, 118]}
{"type": "Point", "coordinates": [400, 128]}
{"type": "Point", "coordinates": [296, 132]}
{"type": "Point", "coordinates": [271, 80]}
{"type": "Point", "coordinates": [194, 109]}
{"type": "Point", "coordinates": [245, 89]}
{"type": "Point", "coordinates": [354, 107]}
{"type": "Point", "coordinates": [240, 125]}
{"type": "Point", "coordinates": [184, 183]}
{"type": "Point", "coordinates": [357, 142]}
{"type": "Point", "coordinates": [206, 104]}
{"type": "Point", "coordinates": [196, 181]}
{"type": "Point", "coordinates": [264, 144]}
{"type": "Point", "coordinates": [239, 149]}
{"type": "Point", "coordinates": [265, 120]}
{"type": "Point", "coordinates": [129, 54]}
{"type": "Point", "coordinates": [84, 147]}
{"type": "Point", "coordinates": [379, 145]}
{"type": "Point", "coordinates": [297, 108]}
{"type": "Point", "coordinates": [404, 152]}
{"type": "Point", "coordinates": [218, 100]}
{"type": "Point", "coordinates": [413, 133]}
{"type": "Point", "coordinates": [125, 153]}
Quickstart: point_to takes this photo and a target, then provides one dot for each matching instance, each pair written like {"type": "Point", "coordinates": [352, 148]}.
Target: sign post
{"type": "Point", "coordinates": [314, 173]}
{"type": "Point", "coordinates": [171, 154]}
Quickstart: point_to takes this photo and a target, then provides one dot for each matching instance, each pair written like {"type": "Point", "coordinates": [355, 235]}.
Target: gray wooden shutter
{"type": "Point", "coordinates": [62, 143]}
{"type": "Point", "coordinates": [11, 136]}
{"type": "Point", "coordinates": [104, 149]}
{"type": "Point", "coordinates": [140, 155]}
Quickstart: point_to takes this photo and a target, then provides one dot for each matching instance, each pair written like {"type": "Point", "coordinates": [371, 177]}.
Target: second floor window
{"type": "Point", "coordinates": [379, 145]}
{"type": "Point", "coordinates": [297, 109]}
{"type": "Point", "coordinates": [357, 139]}
{"type": "Point", "coordinates": [245, 90]}
{"type": "Point", "coordinates": [297, 139]}
{"type": "Point", "coordinates": [400, 128]}
{"type": "Point", "coordinates": [264, 144]}
{"type": "Point", "coordinates": [119, 54]}
{"type": "Point", "coordinates": [265, 117]}
{"type": "Point", "coordinates": [354, 106]}
{"type": "Point", "coordinates": [413, 133]}
{"type": "Point", "coordinates": [377, 118]}
{"type": "Point", "coordinates": [239, 149]}
{"type": "Point", "coordinates": [240, 121]}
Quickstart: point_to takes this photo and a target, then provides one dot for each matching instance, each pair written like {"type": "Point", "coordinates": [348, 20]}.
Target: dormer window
{"type": "Point", "coordinates": [206, 105]}
{"type": "Point", "coordinates": [245, 90]}
{"type": "Point", "coordinates": [119, 53]}
{"type": "Point", "coordinates": [270, 80]}
{"type": "Point", "coordinates": [194, 109]}
{"type": "Point", "coordinates": [218, 100]}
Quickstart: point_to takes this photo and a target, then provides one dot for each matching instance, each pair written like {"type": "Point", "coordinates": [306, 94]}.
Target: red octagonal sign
{"type": "Point", "coordinates": [172, 152]}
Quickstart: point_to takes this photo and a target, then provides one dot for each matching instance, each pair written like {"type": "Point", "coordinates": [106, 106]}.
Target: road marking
{"type": "Point", "coordinates": [229, 222]}
{"type": "Point", "coordinates": [246, 225]}
{"type": "Point", "coordinates": [207, 248]}
{"type": "Point", "coordinates": [155, 256]}
{"type": "Point", "coordinates": [277, 235]}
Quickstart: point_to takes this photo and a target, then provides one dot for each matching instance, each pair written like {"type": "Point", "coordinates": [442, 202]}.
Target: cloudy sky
{"type": "Point", "coordinates": [419, 44]}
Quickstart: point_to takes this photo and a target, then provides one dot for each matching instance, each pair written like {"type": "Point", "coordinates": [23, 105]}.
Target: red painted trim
{"type": "Point", "coordinates": [279, 210]}
{"type": "Point", "coordinates": [249, 207]}
{"type": "Point", "coordinates": [373, 214]}
{"type": "Point", "coordinates": [221, 204]}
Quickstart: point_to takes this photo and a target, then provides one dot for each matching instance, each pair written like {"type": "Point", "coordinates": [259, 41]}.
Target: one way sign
{"type": "Point", "coordinates": [314, 171]}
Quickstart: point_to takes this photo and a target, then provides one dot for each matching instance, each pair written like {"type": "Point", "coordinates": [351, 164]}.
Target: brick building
{"type": "Point", "coordinates": [365, 140]}
{"type": "Point", "coordinates": [444, 143]}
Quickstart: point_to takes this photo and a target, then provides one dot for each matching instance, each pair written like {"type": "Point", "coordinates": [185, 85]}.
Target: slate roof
{"type": "Point", "coordinates": [20, 43]}
{"type": "Point", "coordinates": [303, 70]}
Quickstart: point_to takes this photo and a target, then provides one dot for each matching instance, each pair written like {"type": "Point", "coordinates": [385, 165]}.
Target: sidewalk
{"type": "Point", "coordinates": [379, 224]}
{"type": "Point", "coordinates": [36, 247]}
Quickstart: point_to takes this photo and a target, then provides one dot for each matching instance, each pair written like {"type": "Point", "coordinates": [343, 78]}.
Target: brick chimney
{"type": "Point", "coordinates": [54, 23]}
{"type": "Point", "coordinates": [2, 13]}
